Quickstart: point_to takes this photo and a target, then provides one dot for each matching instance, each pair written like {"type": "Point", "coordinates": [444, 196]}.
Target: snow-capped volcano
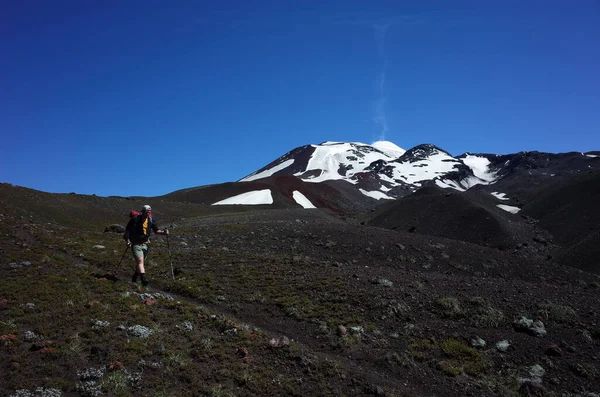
{"type": "Point", "coordinates": [383, 170]}
{"type": "Point", "coordinates": [349, 177]}
{"type": "Point", "coordinates": [380, 170]}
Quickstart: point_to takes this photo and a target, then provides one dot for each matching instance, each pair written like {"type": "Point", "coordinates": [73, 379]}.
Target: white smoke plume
{"type": "Point", "coordinates": [380, 117]}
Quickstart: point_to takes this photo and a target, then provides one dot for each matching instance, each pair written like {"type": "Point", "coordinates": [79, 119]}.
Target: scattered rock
{"type": "Point", "coordinates": [537, 371]}
{"type": "Point", "coordinates": [279, 342]}
{"type": "Point", "coordinates": [357, 330]}
{"type": "Point", "coordinates": [503, 346]}
{"type": "Point", "coordinates": [98, 325]}
{"type": "Point", "coordinates": [535, 328]}
{"type": "Point", "coordinates": [116, 366]}
{"type": "Point", "coordinates": [6, 339]}
{"type": "Point", "coordinates": [478, 342]}
{"type": "Point", "coordinates": [242, 352]}
{"type": "Point", "coordinates": [30, 336]}
{"type": "Point", "coordinates": [140, 331]}
{"type": "Point", "coordinates": [186, 326]}
{"type": "Point", "coordinates": [383, 281]}
{"type": "Point", "coordinates": [99, 247]}
{"type": "Point", "coordinates": [341, 330]}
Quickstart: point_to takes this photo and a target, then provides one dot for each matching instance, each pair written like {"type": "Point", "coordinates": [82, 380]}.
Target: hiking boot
{"type": "Point", "coordinates": [134, 277]}
{"type": "Point", "coordinates": [144, 279]}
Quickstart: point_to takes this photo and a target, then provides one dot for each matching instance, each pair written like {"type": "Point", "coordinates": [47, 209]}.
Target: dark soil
{"type": "Point", "coordinates": [365, 310]}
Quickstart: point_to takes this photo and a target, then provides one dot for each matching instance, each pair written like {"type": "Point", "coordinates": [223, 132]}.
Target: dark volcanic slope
{"type": "Point", "coordinates": [466, 217]}
{"type": "Point", "coordinates": [583, 253]}
{"type": "Point", "coordinates": [569, 210]}
{"type": "Point", "coordinates": [338, 196]}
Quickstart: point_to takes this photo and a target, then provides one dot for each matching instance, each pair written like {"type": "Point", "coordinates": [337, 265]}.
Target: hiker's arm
{"type": "Point", "coordinates": [160, 231]}
{"type": "Point", "coordinates": [127, 232]}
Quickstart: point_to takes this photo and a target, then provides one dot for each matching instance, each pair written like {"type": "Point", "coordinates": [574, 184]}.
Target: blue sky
{"type": "Point", "coordinates": [147, 97]}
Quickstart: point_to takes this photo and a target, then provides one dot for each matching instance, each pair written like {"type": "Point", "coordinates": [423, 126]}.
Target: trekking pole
{"type": "Point", "coordinates": [170, 258]}
{"type": "Point", "coordinates": [121, 261]}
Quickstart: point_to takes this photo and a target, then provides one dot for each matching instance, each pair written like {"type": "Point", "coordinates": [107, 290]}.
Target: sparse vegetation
{"type": "Point", "coordinates": [252, 320]}
{"type": "Point", "coordinates": [557, 313]}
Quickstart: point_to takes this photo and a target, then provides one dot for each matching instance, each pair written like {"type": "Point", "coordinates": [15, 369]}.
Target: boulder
{"type": "Point", "coordinates": [114, 228]}
{"type": "Point", "coordinates": [535, 328]}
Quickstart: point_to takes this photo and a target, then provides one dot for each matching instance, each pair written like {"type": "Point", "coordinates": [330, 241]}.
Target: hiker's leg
{"type": "Point", "coordinates": [138, 255]}
{"type": "Point", "coordinates": [141, 267]}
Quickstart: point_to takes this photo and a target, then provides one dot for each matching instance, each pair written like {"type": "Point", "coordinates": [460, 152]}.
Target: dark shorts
{"type": "Point", "coordinates": [139, 251]}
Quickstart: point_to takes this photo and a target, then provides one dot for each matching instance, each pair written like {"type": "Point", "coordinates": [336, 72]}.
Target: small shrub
{"type": "Point", "coordinates": [419, 349]}
{"type": "Point", "coordinates": [206, 344]}
{"type": "Point", "coordinates": [455, 349]}
{"type": "Point", "coordinates": [89, 388]}
{"type": "Point", "coordinates": [91, 373]}
{"type": "Point", "coordinates": [462, 358]}
{"type": "Point", "coordinates": [116, 382]}
{"type": "Point", "coordinates": [449, 368]}
{"type": "Point", "coordinates": [176, 360]}
{"type": "Point", "coordinates": [482, 314]}
{"type": "Point", "coordinates": [349, 340]}
{"type": "Point", "coordinates": [557, 313]}
{"type": "Point", "coordinates": [7, 327]}
{"type": "Point", "coordinates": [450, 307]}
{"type": "Point", "coordinates": [39, 392]}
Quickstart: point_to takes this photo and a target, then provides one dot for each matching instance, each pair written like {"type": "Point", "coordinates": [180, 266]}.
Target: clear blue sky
{"type": "Point", "coordinates": [146, 97]}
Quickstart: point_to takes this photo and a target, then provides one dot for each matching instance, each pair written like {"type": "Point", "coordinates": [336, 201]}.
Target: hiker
{"type": "Point", "coordinates": [137, 235]}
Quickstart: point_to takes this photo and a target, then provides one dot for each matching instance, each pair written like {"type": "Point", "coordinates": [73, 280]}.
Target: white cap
{"type": "Point", "coordinates": [146, 208]}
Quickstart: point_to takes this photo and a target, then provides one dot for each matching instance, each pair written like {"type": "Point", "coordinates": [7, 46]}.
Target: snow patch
{"type": "Point", "coordinates": [500, 196]}
{"type": "Point", "coordinates": [255, 197]}
{"type": "Point", "coordinates": [471, 181]}
{"type": "Point", "coordinates": [592, 155]}
{"type": "Point", "coordinates": [389, 148]}
{"type": "Point", "coordinates": [508, 208]}
{"type": "Point", "coordinates": [302, 200]}
{"type": "Point", "coordinates": [269, 172]}
{"type": "Point", "coordinates": [447, 184]}
{"type": "Point", "coordinates": [480, 167]}
{"type": "Point", "coordinates": [426, 169]}
{"type": "Point", "coordinates": [377, 195]}
{"type": "Point", "coordinates": [331, 156]}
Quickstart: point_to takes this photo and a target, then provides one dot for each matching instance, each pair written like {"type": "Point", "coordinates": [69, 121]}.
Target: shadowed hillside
{"type": "Point", "coordinates": [569, 209]}
{"type": "Point", "coordinates": [461, 216]}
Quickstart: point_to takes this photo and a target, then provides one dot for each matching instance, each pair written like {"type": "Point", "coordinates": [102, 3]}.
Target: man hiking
{"type": "Point", "coordinates": [137, 235]}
